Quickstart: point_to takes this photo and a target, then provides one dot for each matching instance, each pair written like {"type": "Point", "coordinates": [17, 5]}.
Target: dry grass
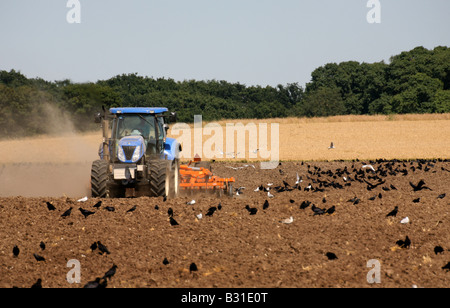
{"type": "Point", "coordinates": [363, 137]}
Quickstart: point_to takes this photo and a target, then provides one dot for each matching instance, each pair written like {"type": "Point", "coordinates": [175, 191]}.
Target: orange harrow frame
{"type": "Point", "coordinates": [200, 178]}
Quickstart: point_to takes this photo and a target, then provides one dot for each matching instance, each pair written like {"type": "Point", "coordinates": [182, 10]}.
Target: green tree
{"type": "Point", "coordinates": [323, 102]}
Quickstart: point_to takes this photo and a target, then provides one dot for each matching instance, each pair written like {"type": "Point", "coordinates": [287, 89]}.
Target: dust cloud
{"type": "Point", "coordinates": [52, 165]}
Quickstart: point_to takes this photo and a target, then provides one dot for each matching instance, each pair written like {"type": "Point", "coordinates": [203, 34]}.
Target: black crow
{"type": "Point", "coordinates": [50, 206]}
{"type": "Point", "coordinates": [442, 196]}
{"type": "Point", "coordinates": [37, 284]}
{"type": "Point", "coordinates": [165, 261]}
{"type": "Point", "coordinates": [419, 186]}
{"type": "Point", "coordinates": [96, 284]}
{"type": "Point", "coordinates": [86, 213]}
{"type": "Point", "coordinates": [438, 249]}
{"type": "Point", "coordinates": [266, 205]}
{"type": "Point", "coordinates": [331, 256]}
{"type": "Point", "coordinates": [331, 210]}
{"type": "Point", "coordinates": [170, 212]}
{"type": "Point", "coordinates": [317, 211]}
{"type": "Point", "coordinates": [193, 268]}
{"type": "Point", "coordinates": [416, 200]}
{"type": "Point", "coordinates": [110, 208]}
{"type": "Point", "coordinates": [305, 204]}
{"type": "Point", "coordinates": [393, 213]}
{"type": "Point", "coordinates": [211, 211]}
{"type": "Point", "coordinates": [111, 272]}
{"type": "Point", "coordinates": [404, 244]}
{"type": "Point", "coordinates": [16, 251]}
{"type": "Point", "coordinates": [98, 204]}
{"type": "Point", "coordinates": [132, 209]}
{"type": "Point", "coordinates": [173, 222]}
{"type": "Point", "coordinates": [446, 267]}
{"type": "Point", "coordinates": [67, 213]}
{"type": "Point", "coordinates": [38, 257]}
{"type": "Point", "coordinates": [252, 210]}
{"type": "Point", "coordinates": [42, 245]}
{"type": "Point", "coordinates": [103, 249]}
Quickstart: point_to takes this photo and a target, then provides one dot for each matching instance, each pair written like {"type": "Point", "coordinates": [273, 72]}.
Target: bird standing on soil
{"type": "Point", "coordinates": [96, 284]}
{"type": "Point", "coordinates": [85, 213]}
{"type": "Point", "coordinates": [103, 249]}
{"type": "Point", "coordinates": [111, 272]}
{"type": "Point", "coordinates": [50, 206]}
{"type": "Point", "coordinates": [266, 205]}
{"type": "Point", "coordinates": [331, 210]}
{"type": "Point", "coordinates": [438, 250]}
{"type": "Point", "coordinates": [38, 257]}
{"type": "Point", "coordinates": [173, 222]}
{"type": "Point", "coordinates": [251, 210]}
{"type": "Point", "coordinates": [193, 267]}
{"type": "Point", "coordinates": [317, 210]}
{"type": "Point", "coordinates": [331, 256]}
{"type": "Point", "coordinates": [305, 204]}
{"type": "Point", "coordinates": [98, 204]}
{"type": "Point", "coordinates": [211, 211]}
{"type": "Point", "coordinates": [16, 251]}
{"type": "Point", "coordinates": [393, 213]}
{"type": "Point", "coordinates": [404, 243]}
{"type": "Point", "coordinates": [132, 209]}
{"type": "Point", "coordinates": [37, 284]}
{"type": "Point", "coordinates": [67, 213]}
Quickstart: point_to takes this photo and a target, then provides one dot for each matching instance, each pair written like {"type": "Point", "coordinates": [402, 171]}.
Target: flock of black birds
{"type": "Point", "coordinates": [372, 175]}
{"type": "Point", "coordinates": [320, 180]}
{"type": "Point", "coordinates": [102, 282]}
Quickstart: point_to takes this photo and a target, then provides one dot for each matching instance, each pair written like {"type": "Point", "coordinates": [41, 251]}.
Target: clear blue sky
{"type": "Point", "coordinates": [254, 42]}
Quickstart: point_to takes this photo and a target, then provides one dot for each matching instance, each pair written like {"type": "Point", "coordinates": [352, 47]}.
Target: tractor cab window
{"type": "Point", "coordinates": [136, 125]}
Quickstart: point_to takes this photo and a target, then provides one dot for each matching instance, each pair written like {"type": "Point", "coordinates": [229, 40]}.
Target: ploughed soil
{"type": "Point", "coordinates": [232, 248]}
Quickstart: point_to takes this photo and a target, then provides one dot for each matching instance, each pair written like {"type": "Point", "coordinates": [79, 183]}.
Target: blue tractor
{"type": "Point", "coordinates": [136, 157]}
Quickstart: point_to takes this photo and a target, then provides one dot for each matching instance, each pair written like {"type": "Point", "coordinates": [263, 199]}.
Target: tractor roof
{"type": "Point", "coordinates": [150, 110]}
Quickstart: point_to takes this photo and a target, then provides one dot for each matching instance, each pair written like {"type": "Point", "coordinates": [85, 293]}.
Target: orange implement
{"type": "Point", "coordinates": [200, 178]}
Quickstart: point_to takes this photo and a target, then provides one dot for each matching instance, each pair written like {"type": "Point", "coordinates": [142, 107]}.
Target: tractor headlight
{"type": "Point", "coordinates": [121, 154]}
{"type": "Point", "coordinates": [136, 154]}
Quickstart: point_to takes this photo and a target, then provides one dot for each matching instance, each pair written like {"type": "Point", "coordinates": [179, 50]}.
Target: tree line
{"type": "Point", "coordinates": [416, 81]}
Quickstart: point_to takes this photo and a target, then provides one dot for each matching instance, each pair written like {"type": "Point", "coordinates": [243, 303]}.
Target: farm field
{"type": "Point", "coordinates": [232, 248]}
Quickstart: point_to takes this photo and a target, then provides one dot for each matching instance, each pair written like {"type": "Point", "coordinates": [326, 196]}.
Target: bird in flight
{"type": "Point", "coordinates": [419, 186]}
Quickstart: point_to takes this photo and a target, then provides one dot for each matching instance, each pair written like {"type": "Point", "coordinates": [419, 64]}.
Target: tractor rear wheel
{"type": "Point", "coordinates": [157, 174]}
{"type": "Point", "coordinates": [99, 179]}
